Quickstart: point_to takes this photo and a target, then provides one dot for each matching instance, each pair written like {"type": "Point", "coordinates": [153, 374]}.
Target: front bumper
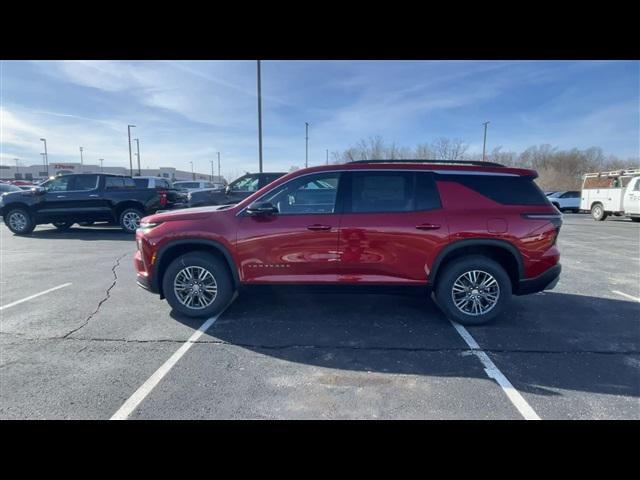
{"type": "Point", "coordinates": [545, 281]}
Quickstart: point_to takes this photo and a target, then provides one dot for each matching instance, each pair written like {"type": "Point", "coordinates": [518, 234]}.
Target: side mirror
{"type": "Point", "coordinates": [227, 190]}
{"type": "Point", "coordinates": [39, 190]}
{"type": "Point", "coordinates": [262, 208]}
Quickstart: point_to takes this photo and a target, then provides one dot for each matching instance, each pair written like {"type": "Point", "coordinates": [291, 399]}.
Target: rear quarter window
{"type": "Point", "coordinates": [506, 190]}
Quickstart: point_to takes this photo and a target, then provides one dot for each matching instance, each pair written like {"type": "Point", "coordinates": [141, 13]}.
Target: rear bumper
{"type": "Point", "coordinates": [545, 281]}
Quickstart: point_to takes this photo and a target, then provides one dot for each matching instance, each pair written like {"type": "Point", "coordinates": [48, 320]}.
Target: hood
{"type": "Point", "coordinates": [16, 194]}
{"type": "Point", "coordinates": [184, 214]}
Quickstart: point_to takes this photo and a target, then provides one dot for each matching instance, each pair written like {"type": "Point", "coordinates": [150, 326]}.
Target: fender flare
{"type": "Point", "coordinates": [482, 242]}
{"type": "Point", "coordinates": [157, 287]}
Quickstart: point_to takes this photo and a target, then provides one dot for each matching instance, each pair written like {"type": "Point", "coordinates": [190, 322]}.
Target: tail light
{"type": "Point", "coordinates": [554, 218]}
{"type": "Point", "coordinates": [163, 198]}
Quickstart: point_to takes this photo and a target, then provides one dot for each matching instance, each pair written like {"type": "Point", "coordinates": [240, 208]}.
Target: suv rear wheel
{"type": "Point", "coordinates": [473, 290]}
{"type": "Point", "coordinates": [19, 221]}
{"type": "Point", "coordinates": [197, 284]}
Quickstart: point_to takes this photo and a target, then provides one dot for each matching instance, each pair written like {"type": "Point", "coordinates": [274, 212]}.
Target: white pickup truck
{"type": "Point", "coordinates": [611, 193]}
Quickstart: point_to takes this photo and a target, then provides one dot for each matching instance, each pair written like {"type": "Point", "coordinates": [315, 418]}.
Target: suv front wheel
{"type": "Point", "coordinates": [473, 290]}
{"type": "Point", "coordinates": [197, 284]}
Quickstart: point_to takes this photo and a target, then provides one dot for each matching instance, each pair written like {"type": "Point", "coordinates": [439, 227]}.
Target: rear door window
{"type": "Point", "coordinates": [373, 192]}
{"type": "Point", "coordinates": [141, 182]}
{"type": "Point", "coordinates": [85, 182]}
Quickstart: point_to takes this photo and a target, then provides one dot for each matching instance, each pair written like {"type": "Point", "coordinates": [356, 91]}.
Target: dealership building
{"type": "Point", "coordinates": [39, 172]}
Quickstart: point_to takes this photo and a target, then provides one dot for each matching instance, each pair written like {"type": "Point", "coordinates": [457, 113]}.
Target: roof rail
{"type": "Point", "coordinates": [445, 162]}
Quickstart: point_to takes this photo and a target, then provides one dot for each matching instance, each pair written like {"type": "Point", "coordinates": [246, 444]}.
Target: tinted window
{"type": "Point", "coordinates": [506, 190]}
{"type": "Point", "coordinates": [85, 182]}
{"type": "Point", "coordinates": [267, 179]}
{"type": "Point", "coordinates": [308, 194]}
{"type": "Point", "coordinates": [382, 192]}
{"type": "Point", "coordinates": [141, 182]}
{"type": "Point", "coordinates": [111, 183]}
{"type": "Point", "coordinates": [129, 183]}
{"type": "Point", "coordinates": [162, 184]}
{"type": "Point", "coordinates": [427, 197]}
{"type": "Point", "coordinates": [187, 185]}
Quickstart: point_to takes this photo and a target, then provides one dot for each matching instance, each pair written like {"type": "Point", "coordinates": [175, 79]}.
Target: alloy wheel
{"type": "Point", "coordinates": [195, 287]}
{"type": "Point", "coordinates": [475, 292]}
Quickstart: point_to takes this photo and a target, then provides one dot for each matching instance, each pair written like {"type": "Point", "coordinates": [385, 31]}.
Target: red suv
{"type": "Point", "coordinates": [474, 233]}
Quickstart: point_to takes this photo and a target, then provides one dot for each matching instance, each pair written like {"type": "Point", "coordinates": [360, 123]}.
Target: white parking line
{"type": "Point", "coordinates": [636, 299]}
{"type": "Point", "coordinates": [34, 296]}
{"type": "Point", "coordinates": [492, 372]}
{"type": "Point", "coordinates": [145, 389]}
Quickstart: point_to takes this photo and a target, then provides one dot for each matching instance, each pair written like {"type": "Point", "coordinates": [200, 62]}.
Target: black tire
{"type": "Point", "coordinates": [454, 271]}
{"type": "Point", "coordinates": [126, 219]}
{"type": "Point", "coordinates": [597, 212]}
{"type": "Point", "coordinates": [63, 226]}
{"type": "Point", "coordinates": [635, 219]}
{"type": "Point", "coordinates": [218, 270]}
{"type": "Point", "coordinates": [19, 221]}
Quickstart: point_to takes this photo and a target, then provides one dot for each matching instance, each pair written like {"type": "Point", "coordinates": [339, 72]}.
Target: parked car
{"type": "Point", "coordinates": [175, 197]}
{"type": "Point", "coordinates": [80, 198]}
{"type": "Point", "coordinates": [188, 185]}
{"type": "Point", "coordinates": [236, 191]}
{"type": "Point", "coordinates": [612, 193]}
{"type": "Point", "coordinates": [565, 201]}
{"type": "Point", "coordinates": [474, 233]}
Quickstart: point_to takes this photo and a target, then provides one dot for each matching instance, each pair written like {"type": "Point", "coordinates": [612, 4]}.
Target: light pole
{"type": "Point", "coordinates": [484, 144]}
{"type": "Point", "coordinates": [192, 172]}
{"type": "Point", "coordinates": [138, 148]}
{"type": "Point", "coordinates": [211, 161]}
{"type": "Point", "coordinates": [101, 160]}
{"type": "Point", "coordinates": [44, 165]}
{"type": "Point", "coordinates": [259, 118]}
{"type": "Point", "coordinates": [46, 155]}
{"type": "Point", "coordinates": [219, 177]}
{"type": "Point", "coordinates": [306, 156]}
{"type": "Point", "coordinates": [81, 159]}
{"type": "Point", "coordinates": [327, 156]}
{"type": "Point", "coordinates": [17, 166]}
{"type": "Point", "coordinates": [130, 158]}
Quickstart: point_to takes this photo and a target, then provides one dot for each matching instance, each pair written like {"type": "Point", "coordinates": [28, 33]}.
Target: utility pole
{"type": "Point", "coordinates": [259, 118]}
{"type": "Point", "coordinates": [211, 179]}
{"type": "Point", "coordinates": [81, 160]}
{"type": "Point", "coordinates": [192, 172]}
{"type": "Point", "coordinates": [219, 177]}
{"type": "Point", "coordinates": [46, 155]}
{"type": "Point", "coordinates": [484, 144]}
{"type": "Point", "coordinates": [101, 160]}
{"type": "Point", "coordinates": [306, 155]}
{"type": "Point", "coordinates": [138, 147]}
{"type": "Point", "coordinates": [17, 166]}
{"type": "Point", "coordinates": [327, 156]}
{"type": "Point", "coordinates": [130, 157]}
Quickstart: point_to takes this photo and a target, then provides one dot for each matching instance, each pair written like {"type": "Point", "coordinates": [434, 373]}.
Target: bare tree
{"type": "Point", "coordinates": [449, 149]}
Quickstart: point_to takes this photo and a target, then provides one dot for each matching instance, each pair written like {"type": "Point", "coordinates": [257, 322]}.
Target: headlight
{"type": "Point", "coordinates": [145, 227]}
{"type": "Point", "coordinates": [189, 196]}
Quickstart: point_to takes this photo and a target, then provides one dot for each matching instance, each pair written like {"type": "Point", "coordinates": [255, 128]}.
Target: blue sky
{"type": "Point", "coordinates": [187, 111]}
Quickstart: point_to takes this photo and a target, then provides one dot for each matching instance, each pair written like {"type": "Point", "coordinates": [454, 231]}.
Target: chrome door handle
{"type": "Point", "coordinates": [427, 226]}
{"type": "Point", "coordinates": [317, 227]}
{"type": "Point", "coordinates": [94, 196]}
{"type": "Point", "coordinates": [61, 196]}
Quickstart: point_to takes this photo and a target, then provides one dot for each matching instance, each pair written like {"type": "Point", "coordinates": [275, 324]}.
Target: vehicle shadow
{"type": "Point", "coordinates": [544, 344]}
{"type": "Point", "coordinates": [76, 232]}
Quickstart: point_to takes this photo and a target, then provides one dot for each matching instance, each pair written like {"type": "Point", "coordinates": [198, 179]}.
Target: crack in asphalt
{"type": "Point", "coordinates": [107, 296]}
{"type": "Point", "coordinates": [326, 347]}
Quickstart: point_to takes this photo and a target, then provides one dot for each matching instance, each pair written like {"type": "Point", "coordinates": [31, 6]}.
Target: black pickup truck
{"type": "Point", "coordinates": [81, 198]}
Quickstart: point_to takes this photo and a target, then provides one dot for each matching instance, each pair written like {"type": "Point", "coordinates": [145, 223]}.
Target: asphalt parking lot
{"type": "Point", "coordinates": [94, 343]}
